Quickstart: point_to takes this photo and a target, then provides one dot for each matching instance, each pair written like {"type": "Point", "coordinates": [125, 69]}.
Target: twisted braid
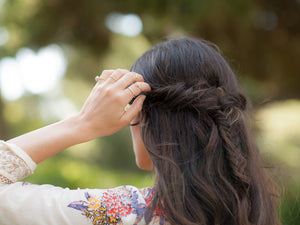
{"type": "Point", "coordinates": [201, 97]}
{"type": "Point", "coordinates": [227, 116]}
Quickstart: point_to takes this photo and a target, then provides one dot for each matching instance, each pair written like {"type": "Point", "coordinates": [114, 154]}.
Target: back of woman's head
{"type": "Point", "coordinates": [208, 169]}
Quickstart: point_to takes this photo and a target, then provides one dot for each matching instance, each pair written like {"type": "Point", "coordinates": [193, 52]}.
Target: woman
{"type": "Point", "coordinates": [191, 131]}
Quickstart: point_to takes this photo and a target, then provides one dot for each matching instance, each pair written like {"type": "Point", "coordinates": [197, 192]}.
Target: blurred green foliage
{"type": "Point", "coordinates": [278, 123]}
{"type": "Point", "coordinates": [259, 38]}
{"type": "Point", "coordinates": [66, 171]}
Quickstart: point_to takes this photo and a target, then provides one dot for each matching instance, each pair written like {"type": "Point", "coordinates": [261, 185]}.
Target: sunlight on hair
{"type": "Point", "coordinates": [126, 24]}
{"type": "Point", "coordinates": [33, 72]}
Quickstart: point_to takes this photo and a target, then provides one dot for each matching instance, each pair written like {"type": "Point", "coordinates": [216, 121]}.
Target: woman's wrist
{"type": "Point", "coordinates": [78, 129]}
{"type": "Point", "coordinates": [71, 129]}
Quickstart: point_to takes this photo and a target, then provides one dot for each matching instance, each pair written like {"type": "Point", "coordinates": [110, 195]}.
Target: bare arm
{"type": "Point", "coordinates": [102, 114]}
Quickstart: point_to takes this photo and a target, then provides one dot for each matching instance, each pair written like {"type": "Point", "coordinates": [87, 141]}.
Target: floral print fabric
{"type": "Point", "coordinates": [115, 206]}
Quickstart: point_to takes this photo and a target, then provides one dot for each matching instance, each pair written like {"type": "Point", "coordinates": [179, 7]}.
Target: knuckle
{"type": "Point", "coordinates": [134, 77]}
{"type": "Point", "coordinates": [139, 86]}
{"type": "Point", "coordinates": [108, 91]}
{"type": "Point", "coordinates": [129, 74]}
{"type": "Point", "coordinates": [139, 76]}
{"type": "Point", "coordinates": [118, 97]}
{"type": "Point", "coordinates": [120, 70]}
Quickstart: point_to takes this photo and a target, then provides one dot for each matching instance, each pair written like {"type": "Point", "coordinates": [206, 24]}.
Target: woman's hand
{"type": "Point", "coordinates": [102, 114]}
{"type": "Point", "coordinates": [104, 110]}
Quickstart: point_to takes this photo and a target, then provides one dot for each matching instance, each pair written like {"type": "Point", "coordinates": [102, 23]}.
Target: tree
{"type": "Point", "coordinates": [262, 37]}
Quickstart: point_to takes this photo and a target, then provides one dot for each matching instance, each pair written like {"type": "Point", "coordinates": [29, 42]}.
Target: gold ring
{"type": "Point", "coordinates": [113, 78]}
{"type": "Point", "coordinates": [136, 76]}
{"type": "Point", "coordinates": [132, 92]}
{"type": "Point", "coordinates": [127, 107]}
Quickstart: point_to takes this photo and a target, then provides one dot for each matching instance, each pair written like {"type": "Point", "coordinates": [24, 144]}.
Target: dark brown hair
{"type": "Point", "coordinates": [208, 169]}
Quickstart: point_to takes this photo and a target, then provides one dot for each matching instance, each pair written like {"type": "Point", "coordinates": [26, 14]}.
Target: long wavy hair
{"type": "Point", "coordinates": [193, 123]}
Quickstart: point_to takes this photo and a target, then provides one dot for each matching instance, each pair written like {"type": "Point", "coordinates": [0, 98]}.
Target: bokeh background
{"type": "Point", "coordinates": [51, 50]}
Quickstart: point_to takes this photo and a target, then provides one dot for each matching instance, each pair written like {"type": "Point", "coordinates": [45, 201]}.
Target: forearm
{"type": "Point", "coordinates": [102, 114]}
{"type": "Point", "coordinates": [47, 141]}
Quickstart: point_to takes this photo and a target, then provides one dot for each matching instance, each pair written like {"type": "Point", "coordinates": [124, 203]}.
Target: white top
{"type": "Point", "coordinates": [28, 204]}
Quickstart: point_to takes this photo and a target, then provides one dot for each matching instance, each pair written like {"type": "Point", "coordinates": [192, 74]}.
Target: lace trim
{"type": "Point", "coordinates": [15, 164]}
{"type": "Point", "coordinates": [4, 180]}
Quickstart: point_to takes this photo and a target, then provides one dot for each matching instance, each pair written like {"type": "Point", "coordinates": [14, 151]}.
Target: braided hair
{"type": "Point", "coordinates": [208, 168]}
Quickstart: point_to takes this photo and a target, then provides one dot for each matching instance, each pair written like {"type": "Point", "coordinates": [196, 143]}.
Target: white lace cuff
{"type": "Point", "coordinates": [15, 164]}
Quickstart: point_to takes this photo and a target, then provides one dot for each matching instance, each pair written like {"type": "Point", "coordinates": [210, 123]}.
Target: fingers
{"type": "Point", "coordinates": [111, 76]}
{"type": "Point", "coordinates": [129, 78]}
{"type": "Point", "coordinates": [116, 75]}
{"type": "Point", "coordinates": [134, 109]}
{"type": "Point", "coordinates": [135, 89]}
{"type": "Point", "coordinates": [104, 75]}
{"type": "Point", "coordinates": [125, 85]}
{"type": "Point", "coordinates": [121, 79]}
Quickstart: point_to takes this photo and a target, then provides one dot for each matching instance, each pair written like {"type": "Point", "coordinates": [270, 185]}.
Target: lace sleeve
{"type": "Point", "coordinates": [15, 164]}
